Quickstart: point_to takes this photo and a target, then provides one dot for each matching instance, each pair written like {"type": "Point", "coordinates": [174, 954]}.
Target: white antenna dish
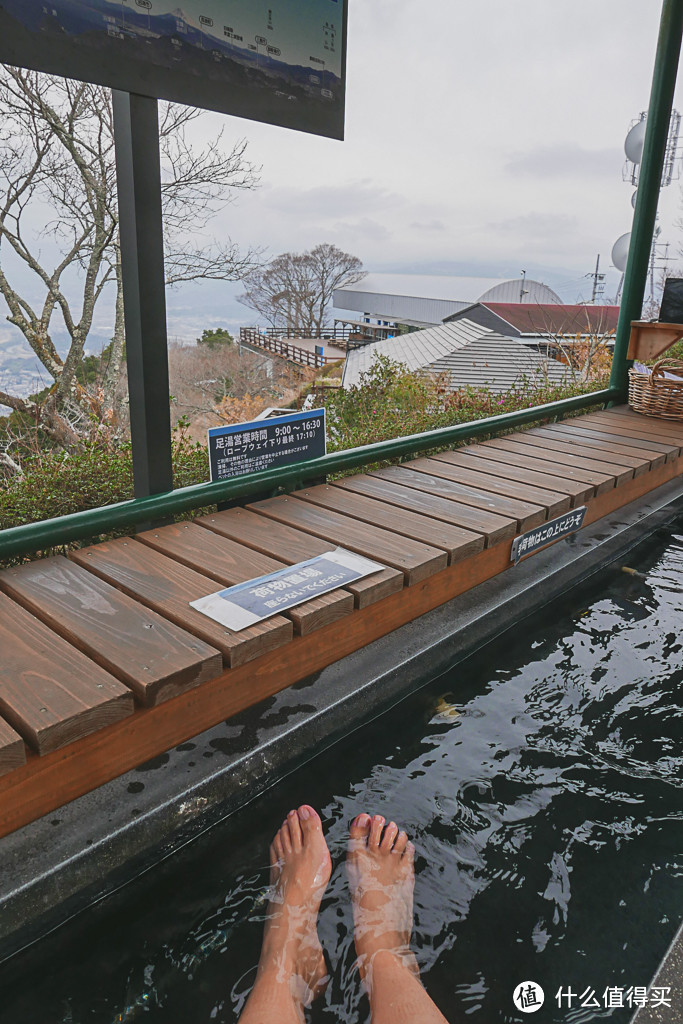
{"type": "Point", "coordinates": [620, 251]}
{"type": "Point", "coordinates": [633, 199]}
{"type": "Point", "coordinates": [633, 146]}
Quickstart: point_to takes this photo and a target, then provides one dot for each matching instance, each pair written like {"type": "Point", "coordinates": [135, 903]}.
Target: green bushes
{"type": "Point", "coordinates": [389, 402]}
{"type": "Point", "coordinates": [99, 472]}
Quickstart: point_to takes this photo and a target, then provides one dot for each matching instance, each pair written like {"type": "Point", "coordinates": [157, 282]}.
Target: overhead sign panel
{"type": "Point", "coordinates": [279, 61]}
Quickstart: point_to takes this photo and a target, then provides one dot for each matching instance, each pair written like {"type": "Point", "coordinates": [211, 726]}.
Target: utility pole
{"type": "Point", "coordinates": [598, 279]}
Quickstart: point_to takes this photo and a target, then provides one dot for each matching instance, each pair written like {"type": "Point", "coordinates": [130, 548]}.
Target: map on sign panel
{"type": "Point", "coordinates": [291, 50]}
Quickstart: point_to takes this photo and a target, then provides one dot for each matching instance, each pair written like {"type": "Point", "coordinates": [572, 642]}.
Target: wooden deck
{"type": "Point", "coordinates": [105, 664]}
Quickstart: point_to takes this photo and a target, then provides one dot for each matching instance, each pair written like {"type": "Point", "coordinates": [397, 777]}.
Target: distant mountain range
{"type": "Point", "coordinates": [111, 19]}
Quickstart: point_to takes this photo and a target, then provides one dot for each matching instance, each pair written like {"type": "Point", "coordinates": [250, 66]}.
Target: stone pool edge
{"type": "Point", "coordinates": [70, 859]}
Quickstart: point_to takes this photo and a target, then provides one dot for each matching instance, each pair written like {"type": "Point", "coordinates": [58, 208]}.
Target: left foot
{"type": "Point", "coordinates": [300, 869]}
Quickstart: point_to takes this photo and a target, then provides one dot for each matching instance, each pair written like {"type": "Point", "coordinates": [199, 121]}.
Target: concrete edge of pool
{"type": "Point", "coordinates": [668, 975]}
{"type": "Point", "coordinates": [66, 861]}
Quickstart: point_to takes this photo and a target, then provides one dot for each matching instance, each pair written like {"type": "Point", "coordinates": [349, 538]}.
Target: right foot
{"type": "Point", "coordinates": [381, 878]}
{"type": "Point", "coordinates": [300, 869]}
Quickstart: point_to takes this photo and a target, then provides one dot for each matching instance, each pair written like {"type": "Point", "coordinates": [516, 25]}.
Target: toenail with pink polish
{"type": "Point", "coordinates": [304, 814]}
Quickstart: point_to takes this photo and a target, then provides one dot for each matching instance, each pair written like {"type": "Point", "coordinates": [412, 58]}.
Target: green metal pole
{"type": "Point", "coordinates": [654, 149]}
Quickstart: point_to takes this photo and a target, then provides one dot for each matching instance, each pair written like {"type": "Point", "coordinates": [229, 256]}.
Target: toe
{"type": "Point", "coordinates": [286, 838]}
{"type": "Point", "coordinates": [295, 830]}
{"type": "Point", "coordinates": [390, 833]}
{"type": "Point", "coordinates": [376, 831]}
{"type": "Point", "coordinates": [401, 842]}
{"type": "Point", "coordinates": [278, 848]}
{"type": "Point", "coordinates": [409, 853]}
{"type": "Point", "coordinates": [360, 826]}
{"type": "Point", "coordinates": [309, 820]}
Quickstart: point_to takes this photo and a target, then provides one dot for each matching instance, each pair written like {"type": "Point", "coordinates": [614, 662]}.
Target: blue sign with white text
{"type": "Point", "coordinates": [262, 444]}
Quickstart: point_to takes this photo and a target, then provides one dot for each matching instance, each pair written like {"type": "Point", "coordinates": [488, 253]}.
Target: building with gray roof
{"type": "Point", "coordinates": [471, 356]}
{"type": "Point", "coordinates": [395, 299]}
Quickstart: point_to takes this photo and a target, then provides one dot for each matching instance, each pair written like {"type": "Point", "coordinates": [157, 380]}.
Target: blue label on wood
{"type": "Point", "coordinates": [247, 603]}
{"type": "Point", "coordinates": [553, 530]}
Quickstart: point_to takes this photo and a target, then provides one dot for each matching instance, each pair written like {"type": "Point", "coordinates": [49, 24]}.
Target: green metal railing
{"type": "Point", "coordinates": [20, 540]}
{"type": "Point", "coordinates": [647, 196]}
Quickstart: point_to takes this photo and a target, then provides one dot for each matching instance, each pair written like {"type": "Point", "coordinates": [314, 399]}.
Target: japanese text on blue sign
{"type": "Point", "coordinates": [250, 447]}
{"type": "Point", "coordinates": [532, 540]}
{"type": "Point", "coordinates": [247, 603]}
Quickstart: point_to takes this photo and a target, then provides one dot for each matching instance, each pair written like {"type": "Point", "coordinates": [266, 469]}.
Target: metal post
{"type": "Point", "coordinates": [654, 150]}
{"type": "Point", "coordinates": [138, 171]}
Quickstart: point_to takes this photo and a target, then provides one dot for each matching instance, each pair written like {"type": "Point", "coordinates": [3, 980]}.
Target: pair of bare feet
{"type": "Point", "coordinates": [292, 969]}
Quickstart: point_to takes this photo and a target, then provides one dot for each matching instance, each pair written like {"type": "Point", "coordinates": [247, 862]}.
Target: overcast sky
{"type": "Point", "coordinates": [482, 138]}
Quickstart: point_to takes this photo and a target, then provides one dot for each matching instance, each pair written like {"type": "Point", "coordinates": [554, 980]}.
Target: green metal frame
{"type": "Point", "coordinates": [21, 540]}
{"type": "Point", "coordinates": [652, 162]}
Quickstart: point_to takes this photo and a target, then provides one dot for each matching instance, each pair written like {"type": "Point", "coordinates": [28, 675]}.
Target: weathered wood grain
{"type": "Point", "coordinates": [455, 540]}
{"type": "Point", "coordinates": [50, 693]}
{"type": "Point", "coordinates": [228, 563]}
{"type": "Point", "coordinates": [12, 749]}
{"type": "Point", "coordinates": [444, 498]}
{"type": "Point", "coordinates": [570, 444]}
{"type": "Point", "coordinates": [414, 559]}
{"type": "Point", "coordinates": [291, 546]}
{"type": "Point", "coordinates": [152, 656]}
{"type": "Point", "coordinates": [608, 441]}
{"type": "Point", "coordinates": [167, 587]}
{"type": "Point", "coordinates": [516, 455]}
{"type": "Point", "coordinates": [457, 469]}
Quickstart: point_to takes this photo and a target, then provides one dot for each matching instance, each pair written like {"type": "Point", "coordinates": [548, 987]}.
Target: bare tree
{"type": "Point", "coordinates": [294, 291]}
{"type": "Point", "coordinates": [57, 169]}
{"type": "Point", "coordinates": [585, 345]}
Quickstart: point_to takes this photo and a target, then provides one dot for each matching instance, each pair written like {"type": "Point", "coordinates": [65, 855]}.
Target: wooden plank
{"type": "Point", "coordinates": [673, 427]}
{"type": "Point", "coordinates": [167, 587]}
{"type": "Point", "coordinates": [416, 561]}
{"type": "Point", "coordinates": [396, 516]}
{"type": "Point", "coordinates": [626, 417]}
{"type": "Point", "coordinates": [629, 433]}
{"type": "Point", "coordinates": [658, 454]}
{"type": "Point", "coordinates": [507, 465]}
{"type": "Point", "coordinates": [12, 749]}
{"type": "Point", "coordinates": [569, 441]}
{"type": "Point", "coordinates": [433, 491]}
{"type": "Point", "coordinates": [291, 546]}
{"type": "Point", "coordinates": [44, 784]}
{"type": "Point", "coordinates": [145, 651]}
{"type": "Point", "coordinates": [642, 426]}
{"type": "Point", "coordinates": [516, 455]}
{"type": "Point", "coordinates": [228, 563]}
{"type": "Point", "coordinates": [543, 449]}
{"type": "Point", "coordinates": [50, 693]}
{"type": "Point", "coordinates": [455, 467]}
{"type": "Point", "coordinates": [386, 486]}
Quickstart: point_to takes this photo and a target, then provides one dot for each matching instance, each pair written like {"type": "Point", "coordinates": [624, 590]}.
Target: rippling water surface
{"type": "Point", "coordinates": [541, 782]}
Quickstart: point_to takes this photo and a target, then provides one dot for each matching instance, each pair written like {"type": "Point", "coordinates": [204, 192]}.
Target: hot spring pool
{"type": "Point", "coordinates": [541, 782]}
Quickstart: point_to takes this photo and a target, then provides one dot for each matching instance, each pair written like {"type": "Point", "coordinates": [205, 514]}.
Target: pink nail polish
{"type": "Point", "coordinates": [304, 814]}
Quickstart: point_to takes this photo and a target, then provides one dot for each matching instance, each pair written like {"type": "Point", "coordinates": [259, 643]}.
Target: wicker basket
{"type": "Point", "coordinates": [654, 394]}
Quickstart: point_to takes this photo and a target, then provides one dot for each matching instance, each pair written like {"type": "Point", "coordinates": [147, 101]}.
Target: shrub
{"type": "Point", "coordinates": [390, 402]}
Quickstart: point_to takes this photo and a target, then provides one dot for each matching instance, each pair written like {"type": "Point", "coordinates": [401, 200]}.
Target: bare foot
{"type": "Point", "coordinates": [381, 877]}
{"type": "Point", "coordinates": [300, 869]}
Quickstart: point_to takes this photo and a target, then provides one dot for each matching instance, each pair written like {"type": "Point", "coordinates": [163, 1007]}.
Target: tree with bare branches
{"type": "Point", "coordinates": [59, 241]}
{"type": "Point", "coordinates": [294, 291]}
